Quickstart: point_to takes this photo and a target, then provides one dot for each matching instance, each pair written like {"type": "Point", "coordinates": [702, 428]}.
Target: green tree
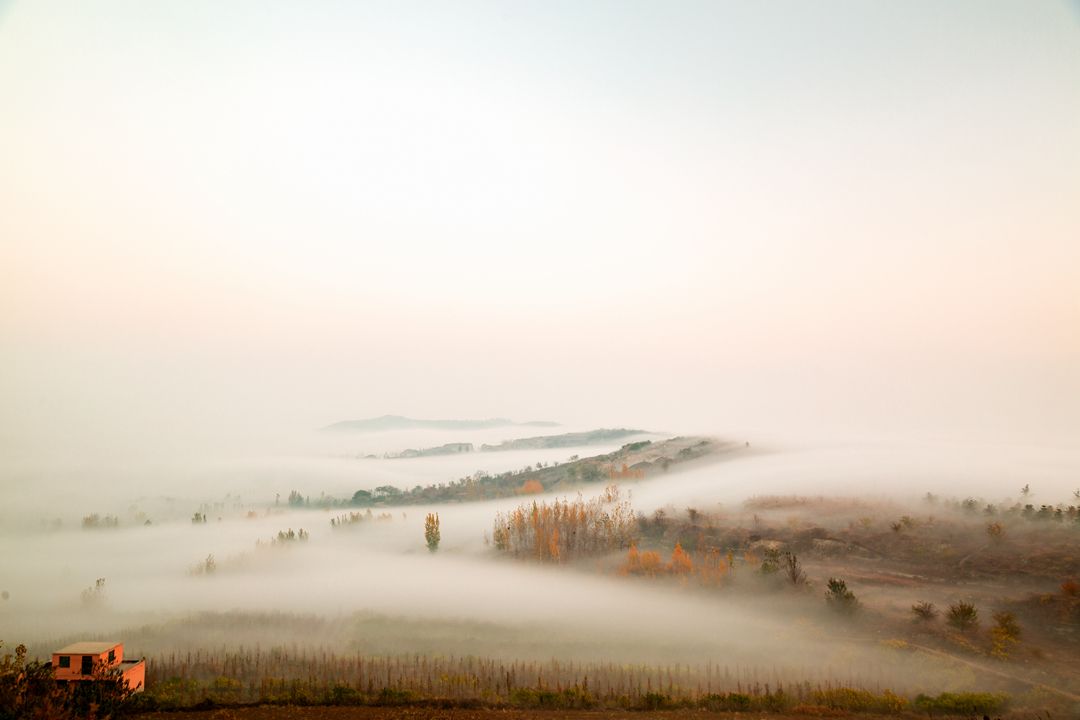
{"type": "Point", "coordinates": [963, 616]}
{"type": "Point", "coordinates": [386, 492]}
{"type": "Point", "coordinates": [839, 598]}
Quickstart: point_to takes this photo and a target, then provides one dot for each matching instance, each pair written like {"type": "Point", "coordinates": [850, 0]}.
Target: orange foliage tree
{"type": "Point", "coordinates": [710, 569]}
{"type": "Point", "coordinates": [680, 564]}
{"type": "Point", "coordinates": [531, 487]}
{"type": "Point", "coordinates": [646, 563]}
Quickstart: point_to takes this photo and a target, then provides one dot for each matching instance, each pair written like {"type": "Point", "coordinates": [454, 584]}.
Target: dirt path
{"type": "Point", "coordinates": [998, 672]}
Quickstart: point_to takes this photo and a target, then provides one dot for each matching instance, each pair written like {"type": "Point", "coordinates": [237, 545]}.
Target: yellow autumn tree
{"type": "Point", "coordinates": [431, 531]}
{"type": "Point", "coordinates": [562, 530]}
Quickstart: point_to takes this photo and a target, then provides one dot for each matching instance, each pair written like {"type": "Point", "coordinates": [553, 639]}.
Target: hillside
{"type": "Point", "coordinates": [576, 439]}
{"type": "Point", "coordinates": [635, 461]}
{"type": "Point", "coordinates": [540, 442]}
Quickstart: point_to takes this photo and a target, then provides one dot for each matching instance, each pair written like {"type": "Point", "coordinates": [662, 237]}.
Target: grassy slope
{"type": "Point", "coordinates": [642, 459]}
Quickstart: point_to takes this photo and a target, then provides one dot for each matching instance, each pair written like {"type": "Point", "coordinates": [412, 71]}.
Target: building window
{"type": "Point", "coordinates": [65, 661]}
{"type": "Point", "coordinates": [87, 665]}
{"type": "Point", "coordinates": [112, 656]}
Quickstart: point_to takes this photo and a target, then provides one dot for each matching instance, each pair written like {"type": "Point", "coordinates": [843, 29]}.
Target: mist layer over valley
{"type": "Point", "coordinates": [201, 557]}
{"type": "Point", "coordinates": [699, 356]}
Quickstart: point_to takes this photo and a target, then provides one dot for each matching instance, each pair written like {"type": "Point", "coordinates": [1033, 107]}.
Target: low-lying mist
{"type": "Point", "coordinates": [373, 587]}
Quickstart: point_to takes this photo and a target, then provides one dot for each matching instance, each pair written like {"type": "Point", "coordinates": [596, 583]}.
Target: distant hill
{"type": "Point", "coordinates": [447, 449]}
{"type": "Point", "coordinates": [592, 437]}
{"type": "Point", "coordinates": [398, 422]}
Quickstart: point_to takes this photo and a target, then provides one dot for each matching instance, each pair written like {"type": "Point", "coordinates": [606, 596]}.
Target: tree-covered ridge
{"type": "Point", "coordinates": [574, 439]}
{"type": "Point", "coordinates": [638, 459]}
{"type": "Point", "coordinates": [539, 442]}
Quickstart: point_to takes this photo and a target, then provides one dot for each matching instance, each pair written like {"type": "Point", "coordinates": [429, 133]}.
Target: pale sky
{"type": "Point", "coordinates": [238, 217]}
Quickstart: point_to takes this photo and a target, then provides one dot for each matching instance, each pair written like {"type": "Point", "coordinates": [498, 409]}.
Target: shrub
{"type": "Point", "coordinates": [394, 696]}
{"type": "Point", "coordinates": [839, 598]}
{"type": "Point", "coordinates": [793, 570]}
{"type": "Point", "coordinates": [770, 565]}
{"type": "Point", "coordinates": [572, 697]}
{"type": "Point", "coordinates": [726, 702]}
{"type": "Point", "coordinates": [963, 616]}
{"type": "Point", "coordinates": [1004, 634]}
{"type": "Point", "coordinates": [962, 703]}
{"type": "Point", "coordinates": [858, 700]}
{"type": "Point", "coordinates": [342, 694]}
{"type": "Point", "coordinates": [924, 611]}
{"type": "Point", "coordinates": [655, 701]}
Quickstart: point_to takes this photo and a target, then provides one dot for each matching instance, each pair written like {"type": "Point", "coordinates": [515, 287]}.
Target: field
{"type": "Point", "coordinates": [270, 712]}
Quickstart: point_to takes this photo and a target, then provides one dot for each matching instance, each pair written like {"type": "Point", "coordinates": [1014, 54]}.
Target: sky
{"type": "Point", "coordinates": [250, 219]}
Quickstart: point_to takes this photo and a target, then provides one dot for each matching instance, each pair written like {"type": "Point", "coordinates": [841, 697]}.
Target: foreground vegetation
{"type": "Point", "coordinates": [29, 690]}
{"type": "Point", "coordinates": [302, 678]}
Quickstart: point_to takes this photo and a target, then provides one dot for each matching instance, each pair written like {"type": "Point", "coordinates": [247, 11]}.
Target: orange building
{"type": "Point", "coordinates": [79, 661]}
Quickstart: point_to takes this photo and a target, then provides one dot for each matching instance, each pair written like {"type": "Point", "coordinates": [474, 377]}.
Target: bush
{"type": "Point", "coordinates": [1004, 634]}
{"type": "Point", "coordinates": [793, 570]}
{"type": "Point", "coordinates": [573, 697]}
{"type": "Point", "coordinates": [859, 700]}
{"type": "Point", "coordinates": [839, 598]}
{"type": "Point", "coordinates": [394, 696]}
{"type": "Point", "coordinates": [341, 694]}
{"type": "Point", "coordinates": [963, 616]}
{"type": "Point", "coordinates": [770, 565]}
{"type": "Point", "coordinates": [924, 611]}
{"type": "Point", "coordinates": [726, 702]}
{"type": "Point", "coordinates": [962, 703]}
{"type": "Point", "coordinates": [655, 701]}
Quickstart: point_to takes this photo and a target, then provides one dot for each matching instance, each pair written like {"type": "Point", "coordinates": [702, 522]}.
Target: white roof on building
{"type": "Point", "coordinates": [87, 648]}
